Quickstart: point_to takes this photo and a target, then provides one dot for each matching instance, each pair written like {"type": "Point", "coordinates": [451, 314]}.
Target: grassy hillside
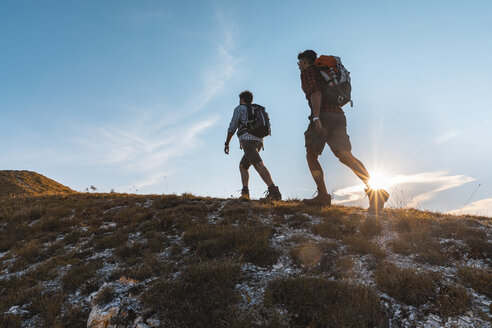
{"type": "Point", "coordinates": [81, 260]}
{"type": "Point", "coordinates": [28, 183]}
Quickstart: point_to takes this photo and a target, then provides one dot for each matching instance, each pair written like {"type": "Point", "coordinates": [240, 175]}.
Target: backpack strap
{"type": "Point", "coordinates": [244, 128]}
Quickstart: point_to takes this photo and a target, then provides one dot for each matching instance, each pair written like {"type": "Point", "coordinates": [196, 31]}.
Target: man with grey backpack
{"type": "Point", "coordinates": [252, 124]}
{"type": "Point", "coordinates": [326, 84]}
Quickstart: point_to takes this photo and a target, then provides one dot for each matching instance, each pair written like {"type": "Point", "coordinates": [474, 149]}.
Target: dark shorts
{"type": "Point", "coordinates": [251, 153]}
{"type": "Point", "coordinates": [336, 135]}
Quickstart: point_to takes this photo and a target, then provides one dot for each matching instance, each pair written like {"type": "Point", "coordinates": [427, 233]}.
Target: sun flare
{"type": "Point", "coordinates": [380, 180]}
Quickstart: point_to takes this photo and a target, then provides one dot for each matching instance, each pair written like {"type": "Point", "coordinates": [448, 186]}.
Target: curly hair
{"type": "Point", "coordinates": [309, 55]}
{"type": "Point", "coordinates": [246, 96]}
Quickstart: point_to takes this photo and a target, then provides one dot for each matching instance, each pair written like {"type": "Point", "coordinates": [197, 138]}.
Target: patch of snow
{"type": "Point", "coordinates": [17, 310]}
{"type": "Point", "coordinates": [108, 225]}
{"type": "Point", "coordinates": [115, 209]}
{"type": "Point", "coordinates": [477, 264]}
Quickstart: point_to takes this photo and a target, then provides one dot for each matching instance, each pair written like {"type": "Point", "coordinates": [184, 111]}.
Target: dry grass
{"type": "Point", "coordinates": [359, 244]}
{"type": "Point", "coordinates": [319, 302]}
{"type": "Point", "coordinates": [196, 264]}
{"type": "Point", "coordinates": [421, 242]}
{"type": "Point", "coordinates": [48, 305]}
{"type": "Point", "coordinates": [344, 268]}
{"type": "Point", "coordinates": [452, 300]}
{"type": "Point", "coordinates": [79, 274]}
{"type": "Point", "coordinates": [28, 183]}
{"type": "Point", "coordinates": [337, 224]}
{"type": "Point", "coordinates": [10, 320]}
{"type": "Point", "coordinates": [307, 255]}
{"type": "Point", "coordinates": [76, 317]}
{"type": "Point", "coordinates": [150, 267]}
{"type": "Point", "coordinates": [244, 242]}
{"type": "Point", "coordinates": [478, 279]}
{"type": "Point", "coordinates": [407, 285]}
{"type": "Point", "coordinates": [105, 295]}
{"type": "Point", "coordinates": [202, 296]}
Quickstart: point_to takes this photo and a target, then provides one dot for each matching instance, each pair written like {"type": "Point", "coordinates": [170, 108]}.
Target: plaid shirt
{"type": "Point", "coordinates": [312, 81]}
{"type": "Point", "coordinates": [239, 119]}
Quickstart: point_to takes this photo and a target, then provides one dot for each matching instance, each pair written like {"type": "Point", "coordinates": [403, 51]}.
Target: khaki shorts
{"type": "Point", "coordinates": [336, 135]}
{"type": "Point", "coordinates": [251, 150]}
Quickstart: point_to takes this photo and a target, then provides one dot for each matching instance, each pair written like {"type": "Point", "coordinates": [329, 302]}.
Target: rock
{"type": "Point", "coordinates": [142, 325]}
{"type": "Point", "coordinates": [17, 310]}
{"type": "Point", "coordinates": [117, 311]}
{"type": "Point", "coordinates": [100, 318]}
{"type": "Point", "coordinates": [154, 323]}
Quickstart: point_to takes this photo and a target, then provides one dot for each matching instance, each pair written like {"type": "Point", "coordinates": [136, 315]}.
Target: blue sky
{"type": "Point", "coordinates": [136, 96]}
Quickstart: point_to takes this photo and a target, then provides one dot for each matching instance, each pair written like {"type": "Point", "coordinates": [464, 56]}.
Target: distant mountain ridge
{"type": "Point", "coordinates": [14, 182]}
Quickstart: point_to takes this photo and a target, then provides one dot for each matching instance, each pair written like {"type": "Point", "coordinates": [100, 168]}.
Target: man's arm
{"type": "Point", "coordinates": [228, 139]}
{"type": "Point", "coordinates": [232, 128]}
{"type": "Point", "coordinates": [316, 105]}
{"type": "Point", "coordinates": [310, 87]}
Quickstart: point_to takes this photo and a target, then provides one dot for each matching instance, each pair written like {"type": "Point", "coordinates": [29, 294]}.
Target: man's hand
{"type": "Point", "coordinates": [319, 127]}
{"type": "Point", "coordinates": [226, 148]}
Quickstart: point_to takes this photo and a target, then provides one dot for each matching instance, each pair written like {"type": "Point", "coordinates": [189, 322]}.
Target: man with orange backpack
{"type": "Point", "coordinates": [326, 84]}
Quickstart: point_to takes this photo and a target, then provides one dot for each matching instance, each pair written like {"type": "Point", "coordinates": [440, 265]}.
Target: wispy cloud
{"type": "Point", "coordinates": [445, 137]}
{"type": "Point", "coordinates": [480, 207]}
{"type": "Point", "coordinates": [425, 186]}
{"type": "Point", "coordinates": [226, 63]}
{"type": "Point", "coordinates": [145, 150]}
{"type": "Point", "coordinates": [151, 145]}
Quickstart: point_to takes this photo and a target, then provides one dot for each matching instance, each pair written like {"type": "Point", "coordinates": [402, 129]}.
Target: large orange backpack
{"type": "Point", "coordinates": [337, 77]}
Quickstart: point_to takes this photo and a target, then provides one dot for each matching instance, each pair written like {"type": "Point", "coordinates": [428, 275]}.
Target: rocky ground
{"type": "Point", "coordinates": [109, 260]}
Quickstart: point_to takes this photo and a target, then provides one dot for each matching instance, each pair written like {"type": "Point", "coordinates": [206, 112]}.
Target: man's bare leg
{"type": "Point", "coordinates": [244, 175]}
{"type": "Point", "coordinates": [264, 174]}
{"type": "Point", "coordinates": [316, 171]}
{"type": "Point", "coordinates": [355, 165]}
{"type": "Point", "coordinates": [323, 198]}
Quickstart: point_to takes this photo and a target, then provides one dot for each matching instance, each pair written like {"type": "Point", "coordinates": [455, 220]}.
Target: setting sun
{"type": "Point", "coordinates": [380, 180]}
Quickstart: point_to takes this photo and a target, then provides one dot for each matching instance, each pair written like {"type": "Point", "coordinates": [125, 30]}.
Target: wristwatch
{"type": "Point", "coordinates": [315, 119]}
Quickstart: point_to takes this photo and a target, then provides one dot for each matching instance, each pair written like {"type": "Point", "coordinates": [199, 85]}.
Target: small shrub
{"type": "Point", "coordinates": [478, 279]}
{"type": "Point", "coordinates": [248, 243]}
{"type": "Point", "coordinates": [297, 221]}
{"type": "Point", "coordinates": [76, 317]}
{"type": "Point", "coordinates": [336, 226]}
{"type": "Point", "coordinates": [80, 273]}
{"type": "Point", "coordinates": [130, 252]}
{"type": "Point", "coordinates": [105, 295]}
{"type": "Point", "coordinates": [407, 285]}
{"type": "Point", "coordinates": [111, 240]}
{"type": "Point", "coordinates": [344, 267]}
{"type": "Point", "coordinates": [370, 227]}
{"type": "Point", "coordinates": [319, 302]}
{"type": "Point", "coordinates": [235, 212]}
{"type": "Point", "coordinates": [49, 305]}
{"type": "Point", "coordinates": [203, 295]}
{"type": "Point", "coordinates": [307, 255]}
{"type": "Point", "coordinates": [287, 208]}
{"type": "Point", "coordinates": [422, 243]}
{"type": "Point", "coordinates": [10, 320]}
{"type": "Point", "coordinates": [361, 245]}
{"type": "Point", "coordinates": [452, 300]}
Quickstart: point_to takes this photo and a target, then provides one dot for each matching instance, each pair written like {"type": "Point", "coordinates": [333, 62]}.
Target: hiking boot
{"type": "Point", "coordinates": [272, 194]}
{"type": "Point", "coordinates": [377, 198]}
{"type": "Point", "coordinates": [244, 194]}
{"type": "Point", "coordinates": [322, 199]}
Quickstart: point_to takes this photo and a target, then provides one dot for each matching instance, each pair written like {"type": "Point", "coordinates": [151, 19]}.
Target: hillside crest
{"type": "Point", "coordinates": [119, 260]}
{"type": "Point", "coordinates": [15, 182]}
